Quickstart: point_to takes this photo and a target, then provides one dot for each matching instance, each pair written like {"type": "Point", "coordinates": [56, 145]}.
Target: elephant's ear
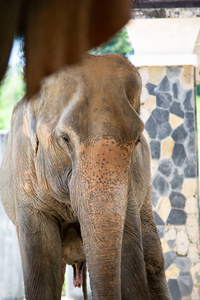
{"type": "Point", "coordinates": [29, 128]}
{"type": "Point", "coordinates": [133, 86]}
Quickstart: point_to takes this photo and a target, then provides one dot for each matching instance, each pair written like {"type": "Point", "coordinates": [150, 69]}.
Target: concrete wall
{"type": "Point", "coordinates": [11, 278]}
{"type": "Point", "coordinates": [168, 111]}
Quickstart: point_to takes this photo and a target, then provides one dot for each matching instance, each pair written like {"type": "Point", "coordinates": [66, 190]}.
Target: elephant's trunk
{"type": "Point", "coordinates": [101, 190]}
{"type": "Point", "coordinates": [102, 236]}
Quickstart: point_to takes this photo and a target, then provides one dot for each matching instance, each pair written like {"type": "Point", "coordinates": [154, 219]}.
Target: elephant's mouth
{"type": "Point", "coordinates": [78, 274]}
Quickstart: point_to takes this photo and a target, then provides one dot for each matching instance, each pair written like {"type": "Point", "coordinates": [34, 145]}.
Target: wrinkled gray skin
{"type": "Point", "coordinates": [76, 154]}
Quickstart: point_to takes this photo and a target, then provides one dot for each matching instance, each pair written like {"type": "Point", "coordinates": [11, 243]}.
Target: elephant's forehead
{"type": "Point", "coordinates": [105, 145]}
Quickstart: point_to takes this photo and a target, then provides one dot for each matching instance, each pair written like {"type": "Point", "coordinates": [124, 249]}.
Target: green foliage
{"type": "Point", "coordinates": [198, 108]}
{"type": "Point", "coordinates": [198, 90]}
{"type": "Point", "coordinates": [118, 44]}
{"type": "Point", "coordinates": [12, 89]}
{"type": "Point", "coordinates": [198, 112]}
{"type": "Point", "coordinates": [64, 288]}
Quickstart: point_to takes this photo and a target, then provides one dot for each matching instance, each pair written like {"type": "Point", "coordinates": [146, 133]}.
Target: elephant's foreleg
{"type": "Point", "coordinates": [153, 255]}
{"type": "Point", "coordinates": [40, 247]}
{"type": "Point", "coordinates": [133, 274]}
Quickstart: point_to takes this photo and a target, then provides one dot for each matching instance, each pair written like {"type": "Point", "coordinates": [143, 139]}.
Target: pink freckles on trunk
{"type": "Point", "coordinates": [103, 164]}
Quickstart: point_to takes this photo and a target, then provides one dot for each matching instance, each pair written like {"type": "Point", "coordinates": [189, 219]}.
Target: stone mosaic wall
{"type": "Point", "coordinates": [168, 111]}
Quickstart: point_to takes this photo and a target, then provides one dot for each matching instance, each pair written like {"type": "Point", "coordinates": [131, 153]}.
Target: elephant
{"type": "Point", "coordinates": [76, 154]}
{"type": "Point", "coordinates": [57, 32]}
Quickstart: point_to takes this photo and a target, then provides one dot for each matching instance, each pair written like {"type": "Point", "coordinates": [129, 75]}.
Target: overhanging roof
{"type": "Point", "coordinates": [169, 39]}
{"type": "Point", "coordinates": [165, 3]}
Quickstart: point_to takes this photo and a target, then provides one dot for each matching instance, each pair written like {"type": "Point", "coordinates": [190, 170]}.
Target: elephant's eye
{"type": "Point", "coordinates": [66, 138]}
{"type": "Point", "coordinates": [137, 141]}
{"type": "Point", "coordinates": [37, 145]}
{"type": "Point", "coordinates": [67, 141]}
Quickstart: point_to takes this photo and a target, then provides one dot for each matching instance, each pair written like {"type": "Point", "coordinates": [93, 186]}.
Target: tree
{"type": "Point", "coordinates": [118, 44]}
{"type": "Point", "coordinates": [12, 89]}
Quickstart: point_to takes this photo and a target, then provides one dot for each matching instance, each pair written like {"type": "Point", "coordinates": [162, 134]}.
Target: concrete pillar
{"type": "Point", "coordinates": [168, 111]}
{"type": "Point", "coordinates": [165, 56]}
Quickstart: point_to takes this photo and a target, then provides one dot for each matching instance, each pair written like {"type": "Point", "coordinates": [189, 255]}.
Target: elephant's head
{"type": "Point", "coordinates": [84, 133]}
